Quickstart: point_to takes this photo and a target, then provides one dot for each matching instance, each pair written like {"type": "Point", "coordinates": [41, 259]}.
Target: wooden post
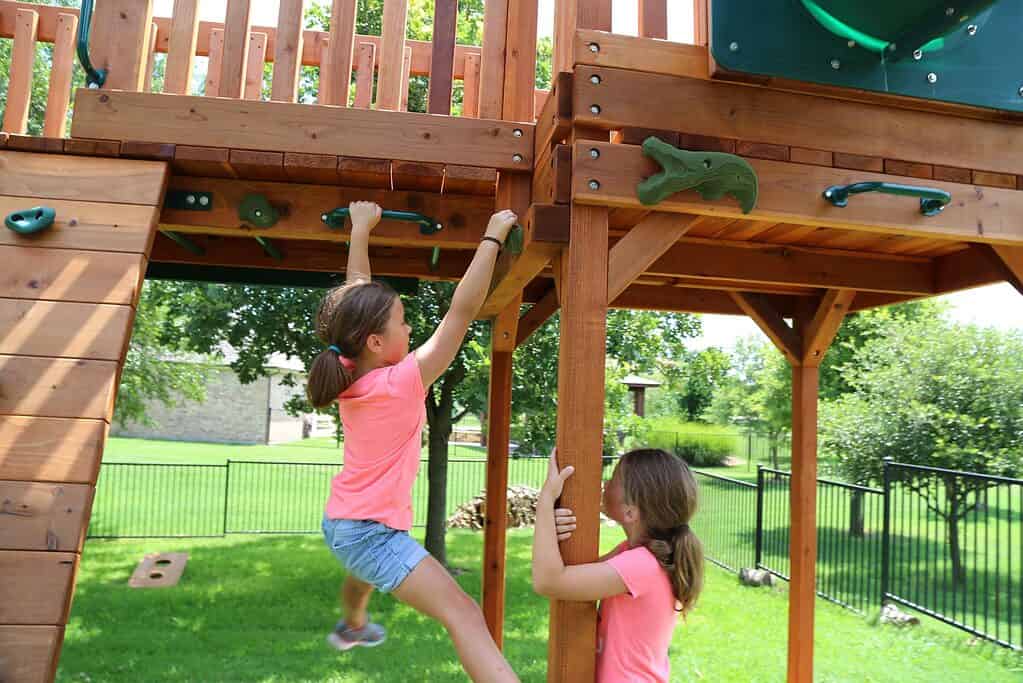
{"type": "Point", "coordinates": [237, 27]}
{"type": "Point", "coordinates": [67, 302]}
{"type": "Point", "coordinates": [503, 333]}
{"type": "Point", "coordinates": [181, 48]}
{"type": "Point", "coordinates": [287, 52]}
{"type": "Point", "coordinates": [60, 76]}
{"type": "Point", "coordinates": [442, 63]}
{"type": "Point", "coordinates": [19, 92]}
{"type": "Point", "coordinates": [803, 532]}
{"type": "Point", "coordinates": [341, 48]}
{"type": "Point", "coordinates": [392, 53]}
{"type": "Point", "coordinates": [804, 345]}
{"type": "Point", "coordinates": [520, 61]}
{"type": "Point", "coordinates": [364, 76]}
{"type": "Point", "coordinates": [495, 33]}
{"type": "Point", "coordinates": [120, 41]}
{"type": "Point", "coordinates": [570, 15]}
{"type": "Point", "coordinates": [573, 625]}
{"type": "Point", "coordinates": [653, 18]}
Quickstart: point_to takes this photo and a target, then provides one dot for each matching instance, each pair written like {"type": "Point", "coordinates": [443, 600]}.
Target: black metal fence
{"type": "Point", "coordinates": [953, 549]}
{"type": "Point", "coordinates": [948, 544]}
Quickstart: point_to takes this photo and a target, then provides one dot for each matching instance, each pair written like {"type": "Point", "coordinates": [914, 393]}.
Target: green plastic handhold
{"type": "Point", "coordinates": [31, 221]}
{"type": "Point", "coordinates": [712, 174]}
{"type": "Point", "coordinates": [513, 243]}
{"type": "Point", "coordinates": [256, 210]}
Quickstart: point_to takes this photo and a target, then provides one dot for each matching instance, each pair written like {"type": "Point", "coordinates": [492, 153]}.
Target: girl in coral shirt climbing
{"type": "Point", "coordinates": [381, 387]}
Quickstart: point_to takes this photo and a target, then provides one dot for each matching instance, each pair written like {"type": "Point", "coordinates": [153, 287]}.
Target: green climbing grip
{"type": "Point", "coordinates": [256, 210]}
{"type": "Point", "coordinates": [712, 174]}
{"type": "Point", "coordinates": [30, 221]}
{"type": "Point", "coordinates": [335, 219]}
{"type": "Point", "coordinates": [513, 242]}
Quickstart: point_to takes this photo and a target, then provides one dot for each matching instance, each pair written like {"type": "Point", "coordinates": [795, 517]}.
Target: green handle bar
{"type": "Point", "coordinates": [30, 221]}
{"type": "Point", "coordinates": [427, 226]}
{"type": "Point", "coordinates": [932, 200]}
{"type": "Point", "coordinates": [94, 77]}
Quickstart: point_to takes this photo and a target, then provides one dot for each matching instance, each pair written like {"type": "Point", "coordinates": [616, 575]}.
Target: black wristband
{"type": "Point", "coordinates": [488, 238]}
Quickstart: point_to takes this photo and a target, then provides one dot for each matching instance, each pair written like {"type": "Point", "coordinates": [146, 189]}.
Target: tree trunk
{"type": "Point", "coordinates": [955, 504]}
{"type": "Point", "coordinates": [436, 515]}
{"type": "Point", "coordinates": [856, 514]}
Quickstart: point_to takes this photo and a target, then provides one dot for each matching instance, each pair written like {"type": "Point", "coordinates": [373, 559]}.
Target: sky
{"type": "Point", "coordinates": [997, 305]}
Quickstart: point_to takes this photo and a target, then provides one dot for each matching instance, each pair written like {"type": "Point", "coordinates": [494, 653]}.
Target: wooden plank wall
{"type": "Point", "coordinates": [67, 303]}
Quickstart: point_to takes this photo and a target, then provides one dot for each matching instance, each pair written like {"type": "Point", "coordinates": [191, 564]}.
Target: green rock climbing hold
{"type": "Point", "coordinates": [256, 210]}
{"type": "Point", "coordinates": [30, 221]}
{"type": "Point", "coordinates": [712, 174]}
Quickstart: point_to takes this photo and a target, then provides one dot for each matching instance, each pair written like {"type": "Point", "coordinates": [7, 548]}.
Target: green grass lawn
{"type": "Point", "coordinates": [256, 609]}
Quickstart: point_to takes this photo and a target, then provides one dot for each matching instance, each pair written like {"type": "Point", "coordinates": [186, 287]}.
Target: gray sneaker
{"type": "Point", "coordinates": [344, 638]}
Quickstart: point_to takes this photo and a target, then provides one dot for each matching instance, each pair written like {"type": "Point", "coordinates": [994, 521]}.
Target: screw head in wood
{"type": "Point", "coordinates": [594, 153]}
{"type": "Point", "coordinates": [594, 48]}
{"type": "Point", "coordinates": [517, 133]}
{"type": "Point", "coordinates": [517, 158]}
{"type": "Point", "coordinates": [594, 108]}
{"type": "Point", "coordinates": [595, 79]}
{"type": "Point", "coordinates": [594, 185]}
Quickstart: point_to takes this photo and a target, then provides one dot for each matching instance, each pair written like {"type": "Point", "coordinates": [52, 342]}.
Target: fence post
{"type": "Point", "coordinates": [227, 491]}
{"type": "Point", "coordinates": [886, 533]}
{"type": "Point", "coordinates": [759, 538]}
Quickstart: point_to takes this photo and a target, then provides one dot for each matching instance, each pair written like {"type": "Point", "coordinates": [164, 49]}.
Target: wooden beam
{"type": "Point", "coordinates": [728, 110]}
{"type": "Point", "coordinates": [978, 216]}
{"type": "Point", "coordinates": [503, 334]}
{"type": "Point", "coordinates": [766, 264]}
{"type": "Point", "coordinates": [300, 128]}
{"type": "Point", "coordinates": [818, 335]}
{"type": "Point", "coordinates": [573, 625]}
{"type": "Point", "coordinates": [554, 124]}
{"type": "Point", "coordinates": [309, 256]}
{"type": "Point", "coordinates": [253, 86]}
{"type": "Point", "coordinates": [1011, 259]}
{"type": "Point", "coordinates": [771, 323]}
{"type": "Point", "coordinates": [30, 579]}
{"type": "Point", "coordinates": [464, 217]}
{"type": "Point", "coordinates": [640, 247]}
{"type": "Point", "coordinates": [640, 54]}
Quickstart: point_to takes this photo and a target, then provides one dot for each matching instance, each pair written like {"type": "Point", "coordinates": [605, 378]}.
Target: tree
{"type": "Point", "coordinates": [936, 394]}
{"type": "Point", "coordinates": [149, 373]}
{"type": "Point", "coordinates": [694, 379]}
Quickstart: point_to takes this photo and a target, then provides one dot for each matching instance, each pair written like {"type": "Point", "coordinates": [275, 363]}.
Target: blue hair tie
{"type": "Point", "coordinates": [334, 349]}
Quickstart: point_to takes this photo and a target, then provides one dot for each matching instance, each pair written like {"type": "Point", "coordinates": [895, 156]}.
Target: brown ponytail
{"type": "Point", "coordinates": [664, 489]}
{"type": "Point", "coordinates": [348, 315]}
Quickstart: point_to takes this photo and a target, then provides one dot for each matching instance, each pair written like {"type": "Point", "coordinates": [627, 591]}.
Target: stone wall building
{"type": "Point", "coordinates": [232, 412]}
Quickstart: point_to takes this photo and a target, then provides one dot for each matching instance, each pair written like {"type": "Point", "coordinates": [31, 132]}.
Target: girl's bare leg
{"type": "Point", "coordinates": [431, 590]}
{"type": "Point", "coordinates": [355, 595]}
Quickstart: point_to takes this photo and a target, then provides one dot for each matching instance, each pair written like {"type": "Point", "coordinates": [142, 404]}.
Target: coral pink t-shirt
{"type": "Point", "coordinates": [382, 413]}
{"type": "Point", "coordinates": [634, 629]}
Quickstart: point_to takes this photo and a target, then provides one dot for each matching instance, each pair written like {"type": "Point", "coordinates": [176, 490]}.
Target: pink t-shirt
{"type": "Point", "coordinates": [382, 414]}
{"type": "Point", "coordinates": [634, 629]}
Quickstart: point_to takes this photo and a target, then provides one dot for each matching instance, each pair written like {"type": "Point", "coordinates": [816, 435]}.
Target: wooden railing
{"type": "Point", "coordinates": [237, 51]}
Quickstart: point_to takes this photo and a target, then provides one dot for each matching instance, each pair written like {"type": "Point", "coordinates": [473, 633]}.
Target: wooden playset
{"type": "Point", "coordinates": [761, 171]}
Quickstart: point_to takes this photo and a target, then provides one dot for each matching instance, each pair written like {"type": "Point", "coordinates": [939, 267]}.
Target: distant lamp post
{"type": "Point", "coordinates": [638, 386]}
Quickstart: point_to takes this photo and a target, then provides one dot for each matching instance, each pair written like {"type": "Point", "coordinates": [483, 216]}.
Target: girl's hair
{"type": "Point", "coordinates": [348, 315]}
{"type": "Point", "coordinates": [664, 489]}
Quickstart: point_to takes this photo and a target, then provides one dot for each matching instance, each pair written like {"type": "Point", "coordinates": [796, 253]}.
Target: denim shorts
{"type": "Point", "coordinates": [377, 554]}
